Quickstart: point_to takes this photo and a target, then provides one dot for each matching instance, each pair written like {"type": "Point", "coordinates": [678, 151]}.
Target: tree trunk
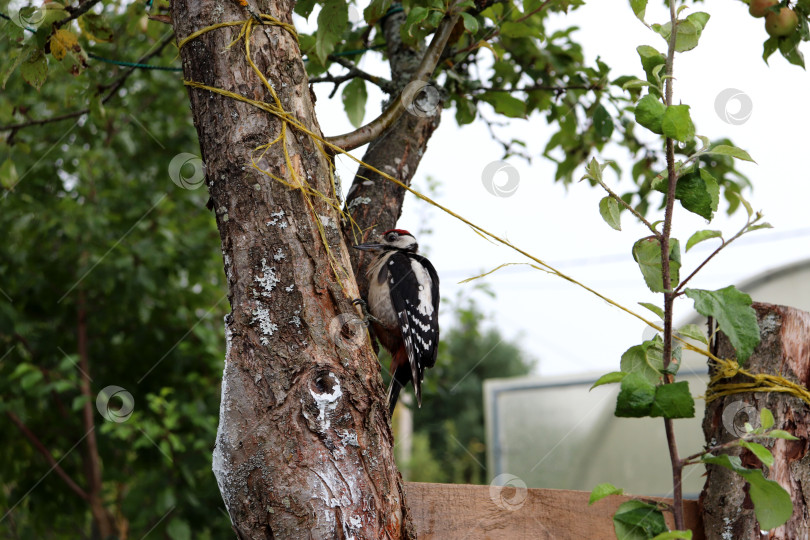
{"type": "Point", "coordinates": [784, 350]}
{"type": "Point", "coordinates": [375, 203]}
{"type": "Point", "coordinates": [304, 446]}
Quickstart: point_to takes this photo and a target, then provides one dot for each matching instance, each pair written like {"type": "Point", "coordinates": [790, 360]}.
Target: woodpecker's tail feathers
{"type": "Point", "coordinates": [400, 378]}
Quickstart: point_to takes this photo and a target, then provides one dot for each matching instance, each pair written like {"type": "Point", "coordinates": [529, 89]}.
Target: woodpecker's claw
{"type": "Point", "coordinates": [367, 317]}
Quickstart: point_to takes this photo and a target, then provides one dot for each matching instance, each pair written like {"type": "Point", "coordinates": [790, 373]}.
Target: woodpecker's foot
{"type": "Point", "coordinates": [367, 317]}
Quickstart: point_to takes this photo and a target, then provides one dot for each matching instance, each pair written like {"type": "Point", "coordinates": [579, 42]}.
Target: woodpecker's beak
{"type": "Point", "coordinates": [369, 247]}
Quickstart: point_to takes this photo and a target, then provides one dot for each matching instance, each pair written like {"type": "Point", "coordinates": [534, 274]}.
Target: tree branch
{"type": "Point", "coordinates": [551, 88]}
{"type": "Point", "coordinates": [113, 88]}
{"type": "Point", "coordinates": [76, 12]}
{"type": "Point", "coordinates": [385, 85]}
{"type": "Point", "coordinates": [679, 289]}
{"type": "Point", "coordinates": [669, 295]}
{"type": "Point", "coordinates": [48, 457]}
{"type": "Point", "coordinates": [376, 127]}
{"type": "Point", "coordinates": [630, 207]}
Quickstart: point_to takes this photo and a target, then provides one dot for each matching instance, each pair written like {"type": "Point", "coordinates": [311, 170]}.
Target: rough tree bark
{"type": "Point", "coordinates": [304, 447]}
{"type": "Point", "coordinates": [785, 350]}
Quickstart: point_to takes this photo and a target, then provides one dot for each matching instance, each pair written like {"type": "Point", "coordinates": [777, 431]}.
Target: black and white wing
{"type": "Point", "coordinates": [415, 297]}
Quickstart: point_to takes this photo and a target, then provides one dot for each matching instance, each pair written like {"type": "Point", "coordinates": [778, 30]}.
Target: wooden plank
{"type": "Point", "coordinates": [451, 511]}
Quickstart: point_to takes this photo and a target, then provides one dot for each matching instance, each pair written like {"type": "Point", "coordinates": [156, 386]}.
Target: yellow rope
{"type": "Point", "coordinates": [725, 368]}
{"type": "Point", "coordinates": [760, 382]}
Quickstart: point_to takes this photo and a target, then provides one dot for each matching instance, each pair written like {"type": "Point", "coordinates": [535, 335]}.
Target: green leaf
{"type": "Point", "coordinates": [375, 11]}
{"type": "Point", "coordinates": [781, 434]}
{"type": "Point", "coordinates": [652, 307]}
{"type": "Point", "coordinates": [470, 23]}
{"type": "Point", "coordinates": [769, 47]}
{"type": "Point", "coordinates": [30, 379]}
{"type": "Point", "coordinates": [354, 101]}
{"type": "Point", "coordinates": [645, 361]}
{"type": "Point", "coordinates": [14, 58]}
{"type": "Point", "coordinates": [698, 192]}
{"type": "Point", "coordinates": [179, 530]}
{"type": "Point", "coordinates": [789, 47]}
{"type": "Point", "coordinates": [609, 378]}
{"type": "Point", "coordinates": [603, 490]}
{"type": "Point", "coordinates": [416, 15]}
{"type": "Point", "coordinates": [762, 453]}
{"type": "Point", "coordinates": [746, 204]}
{"type": "Point", "coordinates": [677, 124]}
{"type": "Point", "coordinates": [609, 210]}
{"type": "Point", "coordinates": [593, 170]}
{"type": "Point", "coordinates": [34, 69]}
{"type": "Point", "coordinates": [693, 331]}
{"type": "Point", "coordinates": [602, 122]}
{"type": "Point", "coordinates": [772, 504]}
{"type": "Point", "coordinates": [639, 8]}
{"type": "Point", "coordinates": [758, 226]}
{"type": "Point", "coordinates": [673, 401]}
{"type": "Point", "coordinates": [650, 58]}
{"type": "Point", "coordinates": [650, 113]}
{"type": "Point", "coordinates": [513, 29]}
{"type": "Point", "coordinates": [700, 236]}
{"type": "Point", "coordinates": [95, 28]}
{"type": "Point", "coordinates": [465, 111]}
{"type": "Point", "coordinates": [647, 253]}
{"type": "Point", "coordinates": [8, 174]}
{"type": "Point", "coordinates": [332, 21]}
{"type": "Point", "coordinates": [733, 312]}
{"type": "Point", "coordinates": [304, 8]}
{"type": "Point", "coordinates": [674, 535]}
{"type": "Point", "coordinates": [505, 104]}
{"type": "Point", "coordinates": [689, 31]}
{"type": "Point", "coordinates": [728, 150]}
{"type": "Point", "coordinates": [636, 520]}
{"type": "Point", "coordinates": [766, 419]}
{"type": "Point", "coordinates": [635, 397]}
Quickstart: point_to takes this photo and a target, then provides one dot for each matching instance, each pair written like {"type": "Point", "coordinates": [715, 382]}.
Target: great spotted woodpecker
{"type": "Point", "coordinates": [403, 301]}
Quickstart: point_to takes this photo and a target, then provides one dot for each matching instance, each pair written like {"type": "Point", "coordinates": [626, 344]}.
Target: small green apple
{"type": "Point", "coordinates": [782, 23]}
{"type": "Point", "coordinates": [757, 7]}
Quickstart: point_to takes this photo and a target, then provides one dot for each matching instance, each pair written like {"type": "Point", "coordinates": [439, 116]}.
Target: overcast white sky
{"type": "Point", "coordinates": [566, 328]}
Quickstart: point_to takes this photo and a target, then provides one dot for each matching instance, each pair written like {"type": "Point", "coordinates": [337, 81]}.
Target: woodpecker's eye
{"type": "Point", "coordinates": [391, 237]}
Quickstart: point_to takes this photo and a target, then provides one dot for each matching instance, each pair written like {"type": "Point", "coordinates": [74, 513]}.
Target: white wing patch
{"type": "Point", "coordinates": [425, 306]}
